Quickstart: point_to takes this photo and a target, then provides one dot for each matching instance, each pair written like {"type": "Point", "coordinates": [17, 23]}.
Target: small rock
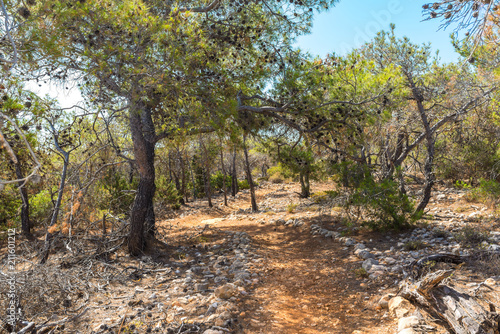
{"type": "Point", "coordinates": [226, 291]}
{"type": "Point", "coordinates": [349, 242]}
{"type": "Point", "coordinates": [399, 306]}
{"type": "Point", "coordinates": [369, 263]}
{"type": "Point", "coordinates": [364, 254]}
{"type": "Point", "coordinates": [408, 331]}
{"type": "Point", "coordinates": [201, 287]}
{"type": "Point", "coordinates": [384, 301]}
{"type": "Point", "coordinates": [213, 331]}
{"type": "Point", "coordinates": [490, 281]}
{"type": "Point", "coordinates": [407, 322]}
{"type": "Point", "coordinates": [494, 248]}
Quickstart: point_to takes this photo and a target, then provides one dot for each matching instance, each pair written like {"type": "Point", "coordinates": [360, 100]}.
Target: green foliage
{"type": "Point", "coordinates": [167, 193]}
{"type": "Point", "coordinates": [459, 184]}
{"type": "Point", "coordinates": [116, 193]}
{"type": "Point", "coordinates": [488, 192]}
{"type": "Point", "coordinates": [384, 204]}
{"type": "Point", "coordinates": [10, 202]}
{"type": "Point", "coordinates": [360, 273]}
{"type": "Point", "coordinates": [40, 206]}
{"type": "Point", "coordinates": [279, 173]}
{"type": "Point", "coordinates": [217, 181]}
{"type": "Point", "coordinates": [243, 184]}
{"type": "Point", "coordinates": [414, 245]}
{"type": "Point", "coordinates": [470, 236]}
{"type": "Point", "coordinates": [323, 196]}
{"type": "Point", "coordinates": [291, 207]}
{"type": "Point", "coordinates": [348, 173]}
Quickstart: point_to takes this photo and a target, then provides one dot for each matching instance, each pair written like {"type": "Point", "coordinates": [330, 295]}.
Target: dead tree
{"type": "Point", "coordinates": [461, 313]}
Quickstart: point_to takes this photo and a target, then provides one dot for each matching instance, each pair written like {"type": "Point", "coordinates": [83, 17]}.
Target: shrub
{"type": "Point", "coordinates": [117, 194]}
{"type": "Point", "coordinates": [40, 206]}
{"type": "Point", "coordinates": [414, 245]}
{"type": "Point", "coordinates": [291, 207]}
{"type": "Point", "coordinates": [217, 181]}
{"type": "Point", "coordinates": [167, 193]}
{"type": "Point", "coordinates": [360, 273]}
{"type": "Point", "coordinates": [487, 192]}
{"type": "Point", "coordinates": [10, 203]}
{"type": "Point", "coordinates": [243, 184]}
{"type": "Point", "coordinates": [279, 171]}
{"type": "Point", "coordinates": [324, 196]}
{"type": "Point", "coordinates": [470, 236]}
{"type": "Point", "coordinates": [386, 207]}
{"type": "Point", "coordinates": [276, 178]}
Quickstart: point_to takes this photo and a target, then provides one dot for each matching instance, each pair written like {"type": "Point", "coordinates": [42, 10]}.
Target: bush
{"type": "Point", "coordinates": [10, 203]}
{"type": "Point", "coordinates": [243, 184]}
{"type": "Point", "coordinates": [276, 178]}
{"type": "Point", "coordinates": [117, 194]}
{"type": "Point", "coordinates": [386, 207]}
{"type": "Point", "coordinates": [279, 171]}
{"type": "Point", "coordinates": [487, 192]}
{"type": "Point", "coordinates": [40, 206]}
{"type": "Point", "coordinates": [469, 236]}
{"type": "Point", "coordinates": [167, 193]}
{"type": "Point", "coordinates": [217, 181]}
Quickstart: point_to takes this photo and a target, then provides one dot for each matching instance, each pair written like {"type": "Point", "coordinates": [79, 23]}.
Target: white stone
{"type": "Point", "coordinates": [407, 322]}
{"type": "Point", "coordinates": [399, 306]}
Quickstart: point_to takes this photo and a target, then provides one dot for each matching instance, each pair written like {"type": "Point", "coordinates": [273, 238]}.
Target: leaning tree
{"type": "Point", "coordinates": [170, 66]}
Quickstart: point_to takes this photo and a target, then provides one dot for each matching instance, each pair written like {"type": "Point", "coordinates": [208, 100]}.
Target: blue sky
{"type": "Point", "coordinates": [351, 23]}
{"type": "Point", "coordinates": [347, 25]}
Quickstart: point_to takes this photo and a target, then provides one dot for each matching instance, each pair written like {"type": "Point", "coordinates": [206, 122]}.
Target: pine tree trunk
{"type": "Point", "coordinates": [25, 206]}
{"type": "Point", "coordinates": [234, 176]}
{"type": "Point", "coordinates": [304, 184]}
{"type": "Point", "coordinates": [142, 215]}
{"type": "Point", "coordinates": [249, 176]}
{"type": "Point", "coordinates": [223, 176]}
{"type": "Point", "coordinates": [429, 178]}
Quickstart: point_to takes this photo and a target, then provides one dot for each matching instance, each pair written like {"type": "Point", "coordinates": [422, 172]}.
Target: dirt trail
{"type": "Point", "coordinates": [308, 283]}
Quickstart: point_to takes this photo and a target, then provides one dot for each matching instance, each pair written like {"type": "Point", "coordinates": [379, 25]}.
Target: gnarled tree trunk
{"type": "Point", "coordinates": [460, 312]}
{"type": "Point", "coordinates": [142, 217]}
{"type": "Point", "coordinates": [249, 176]}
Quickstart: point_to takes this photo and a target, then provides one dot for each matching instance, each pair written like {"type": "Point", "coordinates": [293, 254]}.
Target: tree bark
{"type": "Point", "coordinates": [429, 178]}
{"type": "Point", "coordinates": [206, 174]}
{"type": "Point", "coordinates": [25, 206]}
{"type": "Point", "coordinates": [184, 199]}
{"type": "Point", "coordinates": [142, 218]}
{"type": "Point", "coordinates": [234, 175]}
{"type": "Point", "coordinates": [49, 236]}
{"type": "Point", "coordinates": [304, 185]}
{"type": "Point", "coordinates": [460, 312]}
{"type": "Point", "coordinates": [224, 188]}
{"type": "Point", "coordinates": [249, 176]}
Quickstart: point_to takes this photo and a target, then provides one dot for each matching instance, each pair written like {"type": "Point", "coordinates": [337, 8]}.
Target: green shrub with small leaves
{"type": "Point", "coordinates": [385, 206]}
{"type": "Point", "coordinates": [470, 236]}
{"type": "Point", "coordinates": [40, 206]}
{"type": "Point", "coordinates": [217, 181]}
{"type": "Point", "coordinates": [167, 194]}
{"type": "Point", "coordinates": [488, 192]}
{"type": "Point", "coordinates": [10, 203]}
{"type": "Point", "coordinates": [115, 192]}
{"type": "Point", "coordinates": [243, 184]}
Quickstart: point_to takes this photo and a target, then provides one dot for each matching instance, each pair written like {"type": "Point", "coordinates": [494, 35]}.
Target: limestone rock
{"type": "Point", "coordinates": [407, 322]}
{"type": "Point", "coordinates": [226, 291]}
{"type": "Point", "coordinates": [384, 301]}
{"type": "Point", "coordinates": [399, 306]}
{"type": "Point", "coordinates": [213, 331]}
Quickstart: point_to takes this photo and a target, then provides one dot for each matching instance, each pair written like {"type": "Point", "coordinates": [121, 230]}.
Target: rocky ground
{"type": "Point", "coordinates": [294, 267]}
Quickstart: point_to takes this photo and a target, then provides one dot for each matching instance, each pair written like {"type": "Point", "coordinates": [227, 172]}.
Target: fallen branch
{"type": "Point", "coordinates": [460, 312]}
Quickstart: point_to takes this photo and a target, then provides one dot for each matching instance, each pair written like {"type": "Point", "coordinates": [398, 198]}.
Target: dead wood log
{"type": "Point", "coordinates": [460, 312]}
